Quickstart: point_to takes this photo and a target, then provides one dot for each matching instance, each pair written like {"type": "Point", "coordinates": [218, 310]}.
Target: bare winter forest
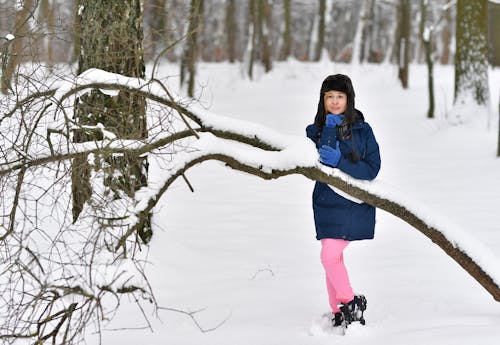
{"type": "Point", "coordinates": [92, 136]}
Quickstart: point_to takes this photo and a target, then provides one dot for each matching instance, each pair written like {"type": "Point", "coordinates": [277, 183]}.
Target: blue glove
{"type": "Point", "coordinates": [333, 120]}
{"type": "Point", "coordinates": [329, 155]}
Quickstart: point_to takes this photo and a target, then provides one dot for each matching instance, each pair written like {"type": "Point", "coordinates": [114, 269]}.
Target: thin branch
{"type": "Point", "coordinates": [192, 316]}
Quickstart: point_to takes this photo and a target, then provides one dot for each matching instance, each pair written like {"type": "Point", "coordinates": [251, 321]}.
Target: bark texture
{"type": "Point", "coordinates": [286, 49]}
{"type": "Point", "coordinates": [321, 30]}
{"type": "Point", "coordinates": [426, 38]}
{"type": "Point", "coordinates": [190, 56]}
{"type": "Point", "coordinates": [404, 42]}
{"type": "Point", "coordinates": [11, 59]}
{"type": "Point", "coordinates": [111, 39]}
{"type": "Point", "coordinates": [471, 57]}
{"type": "Point", "coordinates": [231, 28]}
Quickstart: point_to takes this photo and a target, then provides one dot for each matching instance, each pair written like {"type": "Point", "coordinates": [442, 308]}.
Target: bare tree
{"type": "Point", "coordinates": [158, 24]}
{"type": "Point", "coordinates": [404, 41]}
{"type": "Point", "coordinates": [320, 39]}
{"type": "Point", "coordinates": [498, 147]}
{"type": "Point", "coordinates": [190, 55]}
{"type": "Point", "coordinates": [426, 34]}
{"type": "Point", "coordinates": [259, 39]}
{"type": "Point", "coordinates": [11, 61]}
{"type": "Point", "coordinates": [115, 47]}
{"type": "Point", "coordinates": [471, 57]}
{"type": "Point", "coordinates": [446, 37]}
{"type": "Point", "coordinates": [264, 11]}
{"type": "Point", "coordinates": [286, 48]}
{"type": "Point", "coordinates": [46, 20]}
{"type": "Point", "coordinates": [250, 53]}
{"type": "Point", "coordinates": [232, 30]}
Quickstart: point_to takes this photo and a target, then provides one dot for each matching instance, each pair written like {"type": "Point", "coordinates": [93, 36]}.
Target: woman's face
{"type": "Point", "coordinates": [335, 102]}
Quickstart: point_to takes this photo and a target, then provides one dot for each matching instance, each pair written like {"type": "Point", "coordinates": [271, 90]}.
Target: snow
{"type": "Point", "coordinates": [242, 250]}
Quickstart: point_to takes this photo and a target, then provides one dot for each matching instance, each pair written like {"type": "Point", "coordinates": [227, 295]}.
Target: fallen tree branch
{"type": "Point", "coordinates": [316, 174]}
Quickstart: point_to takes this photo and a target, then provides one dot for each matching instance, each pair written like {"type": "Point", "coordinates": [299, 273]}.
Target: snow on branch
{"type": "Point", "coordinates": [475, 258]}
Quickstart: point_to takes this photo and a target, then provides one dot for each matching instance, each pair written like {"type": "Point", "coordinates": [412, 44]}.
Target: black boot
{"type": "Point", "coordinates": [353, 310]}
{"type": "Point", "coordinates": [337, 319]}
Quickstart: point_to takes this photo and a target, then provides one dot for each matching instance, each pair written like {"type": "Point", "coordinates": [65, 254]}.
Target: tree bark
{"type": "Point", "coordinates": [46, 20]}
{"type": "Point", "coordinates": [286, 49]}
{"type": "Point", "coordinates": [265, 27]}
{"type": "Point", "coordinates": [190, 56]}
{"type": "Point", "coordinates": [404, 42]}
{"type": "Point", "coordinates": [498, 148]}
{"type": "Point", "coordinates": [12, 59]}
{"type": "Point", "coordinates": [366, 20]}
{"type": "Point", "coordinates": [232, 32]}
{"type": "Point", "coordinates": [446, 37]}
{"type": "Point", "coordinates": [426, 39]}
{"type": "Point", "coordinates": [75, 53]}
{"type": "Point", "coordinates": [252, 36]}
{"type": "Point", "coordinates": [471, 56]}
{"type": "Point", "coordinates": [158, 25]}
{"type": "Point", "coordinates": [111, 37]}
{"type": "Point", "coordinates": [494, 32]}
{"type": "Point", "coordinates": [320, 41]}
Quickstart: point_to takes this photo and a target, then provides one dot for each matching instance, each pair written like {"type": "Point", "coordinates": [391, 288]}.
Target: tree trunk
{"type": "Point", "coordinates": [494, 32]}
{"type": "Point", "coordinates": [46, 20]}
{"type": "Point", "coordinates": [265, 27]}
{"type": "Point", "coordinates": [404, 42]}
{"type": "Point", "coordinates": [232, 31]}
{"type": "Point", "coordinates": [471, 57]}
{"type": "Point", "coordinates": [12, 59]}
{"type": "Point", "coordinates": [111, 37]}
{"type": "Point", "coordinates": [75, 54]}
{"type": "Point", "coordinates": [367, 29]}
{"type": "Point", "coordinates": [252, 36]}
{"type": "Point", "coordinates": [426, 39]}
{"type": "Point", "coordinates": [359, 38]}
{"type": "Point", "coordinates": [158, 24]}
{"type": "Point", "coordinates": [320, 41]}
{"type": "Point", "coordinates": [498, 148]}
{"type": "Point", "coordinates": [287, 33]}
{"type": "Point", "coordinates": [190, 56]}
{"type": "Point", "coordinates": [446, 36]}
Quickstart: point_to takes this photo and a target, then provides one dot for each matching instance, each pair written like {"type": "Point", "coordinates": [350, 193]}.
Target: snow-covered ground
{"type": "Point", "coordinates": [241, 251]}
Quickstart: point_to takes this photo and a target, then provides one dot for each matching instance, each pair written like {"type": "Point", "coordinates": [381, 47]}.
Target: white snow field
{"type": "Point", "coordinates": [242, 251]}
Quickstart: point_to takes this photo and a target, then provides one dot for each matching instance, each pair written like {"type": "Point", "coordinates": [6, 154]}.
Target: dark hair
{"type": "Point", "coordinates": [336, 82]}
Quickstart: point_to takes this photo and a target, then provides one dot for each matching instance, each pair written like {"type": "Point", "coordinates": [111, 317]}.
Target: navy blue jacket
{"type": "Point", "coordinates": [334, 215]}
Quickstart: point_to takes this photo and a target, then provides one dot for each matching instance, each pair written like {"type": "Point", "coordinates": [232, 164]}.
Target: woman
{"type": "Point", "coordinates": [344, 141]}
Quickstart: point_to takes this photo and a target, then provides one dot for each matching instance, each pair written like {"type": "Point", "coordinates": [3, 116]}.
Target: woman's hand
{"type": "Point", "coordinates": [328, 155]}
{"type": "Point", "coordinates": [333, 120]}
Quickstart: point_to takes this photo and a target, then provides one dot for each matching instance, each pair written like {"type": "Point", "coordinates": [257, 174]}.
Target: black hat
{"type": "Point", "coordinates": [338, 82]}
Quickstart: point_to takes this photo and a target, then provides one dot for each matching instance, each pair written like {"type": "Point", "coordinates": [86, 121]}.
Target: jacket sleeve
{"type": "Point", "coordinates": [312, 133]}
{"type": "Point", "coordinates": [368, 166]}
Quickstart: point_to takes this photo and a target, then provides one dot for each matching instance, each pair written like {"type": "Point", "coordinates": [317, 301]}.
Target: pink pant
{"type": "Point", "coordinates": [337, 280]}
